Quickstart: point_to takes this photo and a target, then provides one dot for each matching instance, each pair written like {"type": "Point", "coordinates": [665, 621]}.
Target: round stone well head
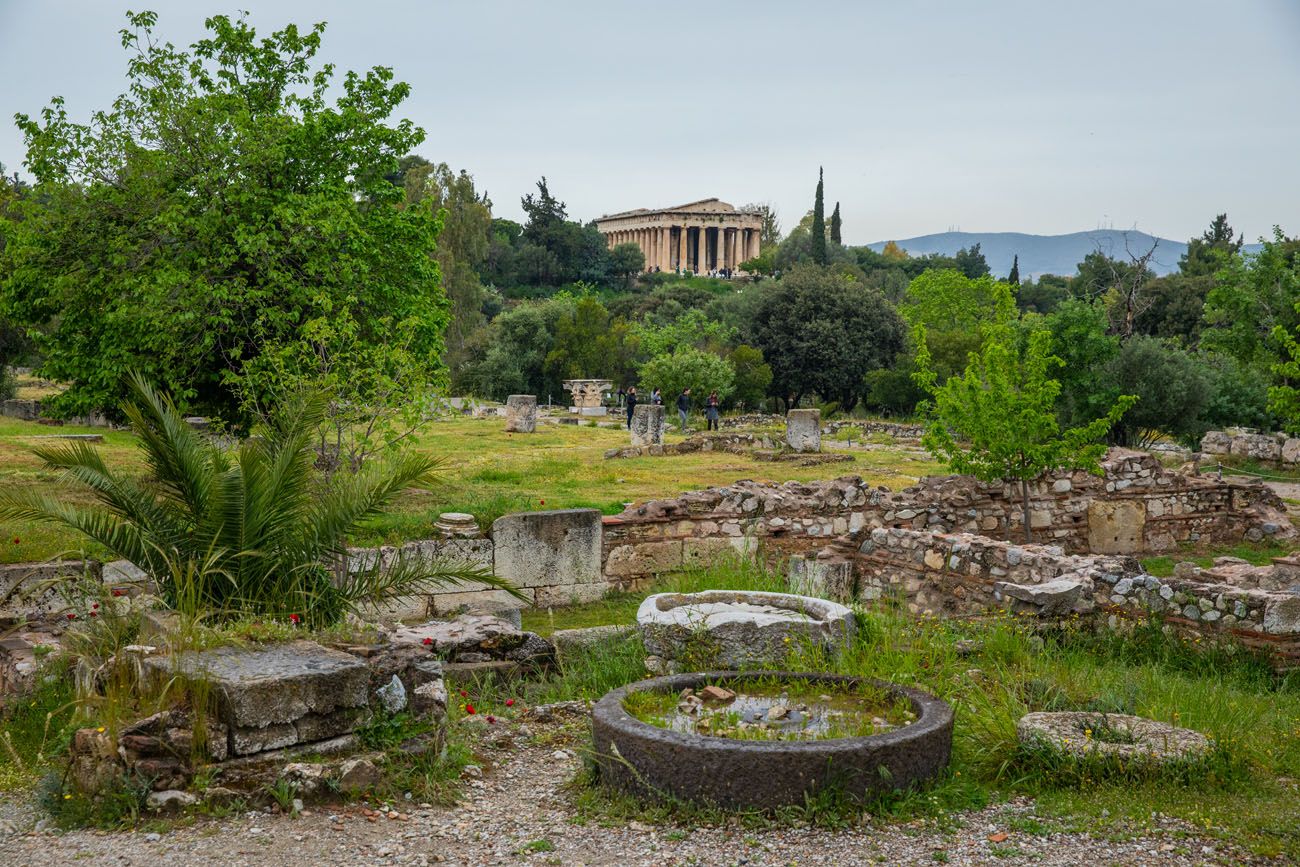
{"type": "Point", "coordinates": [659, 763]}
{"type": "Point", "coordinates": [737, 629]}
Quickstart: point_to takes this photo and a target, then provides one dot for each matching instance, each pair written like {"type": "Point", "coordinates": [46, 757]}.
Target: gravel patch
{"type": "Point", "coordinates": [519, 812]}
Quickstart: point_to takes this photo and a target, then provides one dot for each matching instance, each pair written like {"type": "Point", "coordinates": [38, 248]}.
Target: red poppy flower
{"type": "Point", "coordinates": [17, 541]}
{"type": "Point", "coordinates": [543, 502]}
{"type": "Point", "coordinates": [71, 616]}
{"type": "Point", "coordinates": [428, 641]}
{"type": "Point", "coordinates": [94, 614]}
{"type": "Point", "coordinates": [94, 605]}
{"type": "Point", "coordinates": [464, 694]}
{"type": "Point", "coordinates": [491, 720]}
{"type": "Point", "coordinates": [469, 708]}
{"type": "Point", "coordinates": [294, 619]}
{"type": "Point", "coordinates": [117, 592]}
{"type": "Point", "coordinates": [510, 702]}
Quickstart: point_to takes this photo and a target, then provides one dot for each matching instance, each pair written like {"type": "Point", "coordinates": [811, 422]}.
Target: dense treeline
{"type": "Point", "coordinates": [228, 232]}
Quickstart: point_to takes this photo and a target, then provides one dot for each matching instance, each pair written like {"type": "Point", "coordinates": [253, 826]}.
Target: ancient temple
{"type": "Point", "coordinates": [708, 235]}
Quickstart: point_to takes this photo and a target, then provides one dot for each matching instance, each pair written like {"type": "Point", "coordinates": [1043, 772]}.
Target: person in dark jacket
{"type": "Point", "coordinates": [631, 404]}
{"type": "Point", "coordinates": [711, 410]}
{"type": "Point", "coordinates": [684, 406]}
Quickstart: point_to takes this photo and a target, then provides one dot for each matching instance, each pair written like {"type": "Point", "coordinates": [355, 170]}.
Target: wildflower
{"type": "Point", "coordinates": [67, 797]}
{"type": "Point", "coordinates": [427, 642]}
{"type": "Point", "coordinates": [464, 694]}
{"type": "Point", "coordinates": [94, 605]}
{"type": "Point", "coordinates": [94, 614]}
{"type": "Point", "coordinates": [118, 592]}
{"type": "Point", "coordinates": [71, 616]}
{"type": "Point", "coordinates": [543, 502]}
{"type": "Point", "coordinates": [469, 709]}
{"type": "Point", "coordinates": [510, 702]}
{"type": "Point", "coordinates": [100, 730]}
{"type": "Point", "coordinates": [295, 619]}
{"type": "Point", "coordinates": [17, 541]}
{"type": "Point", "coordinates": [491, 720]}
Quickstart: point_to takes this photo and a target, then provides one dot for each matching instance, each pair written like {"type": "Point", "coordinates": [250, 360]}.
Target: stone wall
{"type": "Point", "coordinates": [955, 575]}
{"type": "Point", "coordinates": [1136, 506]}
{"type": "Point", "coordinates": [1276, 448]}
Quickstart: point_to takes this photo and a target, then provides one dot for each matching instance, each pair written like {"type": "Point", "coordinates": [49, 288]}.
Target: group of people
{"type": "Point", "coordinates": [712, 406]}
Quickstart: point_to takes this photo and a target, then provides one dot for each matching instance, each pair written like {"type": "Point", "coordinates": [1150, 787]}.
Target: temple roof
{"type": "Point", "coordinates": [702, 206]}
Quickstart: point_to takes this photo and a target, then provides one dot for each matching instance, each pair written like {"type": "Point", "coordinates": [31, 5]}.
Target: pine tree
{"type": "Point", "coordinates": [819, 225]}
{"type": "Point", "coordinates": [835, 225]}
{"type": "Point", "coordinates": [1014, 277]}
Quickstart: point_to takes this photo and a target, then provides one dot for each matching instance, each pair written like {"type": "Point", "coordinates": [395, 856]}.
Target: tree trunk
{"type": "Point", "coordinates": [1024, 500]}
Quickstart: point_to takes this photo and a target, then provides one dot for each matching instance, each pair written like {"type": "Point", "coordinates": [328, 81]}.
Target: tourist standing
{"type": "Point", "coordinates": [631, 404]}
{"type": "Point", "coordinates": [684, 406]}
{"type": "Point", "coordinates": [711, 410]}
{"type": "Point", "coordinates": [657, 397]}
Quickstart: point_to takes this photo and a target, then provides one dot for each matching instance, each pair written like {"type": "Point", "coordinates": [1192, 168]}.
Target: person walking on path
{"type": "Point", "coordinates": [631, 405]}
{"type": "Point", "coordinates": [684, 406]}
{"type": "Point", "coordinates": [711, 410]}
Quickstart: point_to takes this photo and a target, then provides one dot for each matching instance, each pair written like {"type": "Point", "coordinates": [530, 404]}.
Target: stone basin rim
{"type": "Point", "coordinates": [810, 607]}
{"type": "Point", "coordinates": [931, 712]}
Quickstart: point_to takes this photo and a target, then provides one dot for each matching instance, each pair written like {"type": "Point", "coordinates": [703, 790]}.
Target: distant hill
{"type": "Point", "coordinates": [1047, 254]}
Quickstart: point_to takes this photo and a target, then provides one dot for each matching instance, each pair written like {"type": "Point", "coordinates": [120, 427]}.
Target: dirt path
{"type": "Point", "coordinates": [520, 812]}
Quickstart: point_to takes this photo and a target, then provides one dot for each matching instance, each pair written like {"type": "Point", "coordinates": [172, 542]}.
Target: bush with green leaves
{"type": "Point", "coordinates": [701, 372]}
{"type": "Point", "coordinates": [246, 529]}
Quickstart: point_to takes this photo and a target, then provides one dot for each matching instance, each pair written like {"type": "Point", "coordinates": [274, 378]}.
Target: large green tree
{"type": "Point", "coordinates": [822, 332]}
{"type": "Point", "coordinates": [836, 225]}
{"type": "Point", "coordinates": [997, 421]}
{"type": "Point", "coordinates": [234, 201]}
{"type": "Point", "coordinates": [819, 225]}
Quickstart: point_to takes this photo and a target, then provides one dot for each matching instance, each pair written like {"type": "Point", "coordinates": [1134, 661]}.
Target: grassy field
{"type": "Point", "coordinates": [486, 472]}
{"type": "Point", "coordinates": [1247, 793]}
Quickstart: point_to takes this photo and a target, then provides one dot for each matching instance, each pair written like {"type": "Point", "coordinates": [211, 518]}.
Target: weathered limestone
{"type": "Point", "coordinates": [588, 395]}
{"type": "Point", "coordinates": [1116, 526]}
{"type": "Point", "coordinates": [826, 577]}
{"type": "Point", "coordinates": [27, 410]}
{"type": "Point", "coordinates": [543, 549]}
{"type": "Point", "coordinates": [708, 235]}
{"type": "Point", "coordinates": [647, 425]}
{"type": "Point", "coordinates": [803, 430]}
{"type": "Point", "coordinates": [276, 696]}
{"type": "Point", "coordinates": [1092, 735]}
{"type": "Point", "coordinates": [1051, 599]}
{"type": "Point", "coordinates": [521, 413]}
{"type": "Point", "coordinates": [734, 629]}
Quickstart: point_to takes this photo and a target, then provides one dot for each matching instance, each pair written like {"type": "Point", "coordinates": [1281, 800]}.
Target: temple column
{"type": "Point", "coordinates": [740, 247]}
{"type": "Point", "coordinates": [702, 251]}
{"type": "Point", "coordinates": [665, 239]}
{"type": "Point", "coordinates": [681, 247]}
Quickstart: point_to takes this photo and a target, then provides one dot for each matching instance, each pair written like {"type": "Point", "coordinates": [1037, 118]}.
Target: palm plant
{"type": "Point", "coordinates": [263, 532]}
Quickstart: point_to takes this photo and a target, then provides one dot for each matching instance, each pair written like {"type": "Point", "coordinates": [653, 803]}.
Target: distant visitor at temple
{"type": "Point", "coordinates": [708, 236]}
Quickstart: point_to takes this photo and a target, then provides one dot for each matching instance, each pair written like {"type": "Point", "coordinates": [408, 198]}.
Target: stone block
{"type": "Point", "coordinates": [570, 641]}
{"type": "Point", "coordinates": [245, 741]}
{"type": "Point", "coordinates": [27, 410]}
{"type": "Point", "coordinates": [803, 430]}
{"type": "Point", "coordinates": [824, 578]}
{"type": "Point", "coordinates": [699, 553]}
{"type": "Point", "coordinates": [521, 413]}
{"type": "Point", "coordinates": [478, 602]}
{"type": "Point", "coordinates": [1053, 599]}
{"type": "Point", "coordinates": [1291, 451]}
{"type": "Point", "coordinates": [647, 425]}
{"type": "Point", "coordinates": [1216, 442]}
{"type": "Point", "coordinates": [1260, 447]}
{"type": "Point", "coordinates": [647, 558]}
{"type": "Point", "coordinates": [1282, 615]}
{"type": "Point", "coordinates": [570, 594]}
{"type": "Point", "coordinates": [1116, 526]}
{"type": "Point", "coordinates": [260, 687]}
{"type": "Point", "coordinates": [539, 549]}
{"type": "Point", "coordinates": [319, 727]}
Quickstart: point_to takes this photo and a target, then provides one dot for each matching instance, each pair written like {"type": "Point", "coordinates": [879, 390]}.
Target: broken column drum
{"type": "Point", "coordinates": [521, 413]}
{"type": "Point", "coordinates": [647, 425]}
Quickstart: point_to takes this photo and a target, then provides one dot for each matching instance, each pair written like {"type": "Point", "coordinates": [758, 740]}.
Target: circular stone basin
{"type": "Point", "coordinates": [737, 773]}
{"type": "Point", "coordinates": [736, 629]}
{"type": "Point", "coordinates": [1088, 734]}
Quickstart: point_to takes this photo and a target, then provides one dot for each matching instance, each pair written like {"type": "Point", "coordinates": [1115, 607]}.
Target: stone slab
{"type": "Point", "coordinates": [803, 430]}
{"type": "Point", "coordinates": [276, 685]}
{"type": "Point", "coordinates": [539, 549]}
{"type": "Point", "coordinates": [648, 421]}
{"type": "Point", "coordinates": [521, 413]}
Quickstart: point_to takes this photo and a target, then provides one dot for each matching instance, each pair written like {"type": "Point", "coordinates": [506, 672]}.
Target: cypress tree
{"type": "Point", "coordinates": [1014, 277]}
{"type": "Point", "coordinates": [835, 225]}
{"type": "Point", "coordinates": [819, 225]}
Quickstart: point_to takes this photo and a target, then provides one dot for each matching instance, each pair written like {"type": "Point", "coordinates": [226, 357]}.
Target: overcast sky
{"type": "Point", "coordinates": [1003, 115]}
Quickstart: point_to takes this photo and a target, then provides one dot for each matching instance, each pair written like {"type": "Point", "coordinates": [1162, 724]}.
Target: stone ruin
{"type": "Point", "coordinates": [803, 430]}
{"type": "Point", "coordinates": [521, 413]}
{"type": "Point", "coordinates": [588, 395]}
{"type": "Point", "coordinates": [1277, 448]}
{"type": "Point", "coordinates": [647, 427]}
{"type": "Point", "coordinates": [290, 711]}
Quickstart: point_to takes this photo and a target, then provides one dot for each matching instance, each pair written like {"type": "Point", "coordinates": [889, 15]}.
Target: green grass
{"type": "Point", "coordinates": [1259, 554]}
{"type": "Point", "coordinates": [1246, 794]}
{"type": "Point", "coordinates": [487, 473]}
